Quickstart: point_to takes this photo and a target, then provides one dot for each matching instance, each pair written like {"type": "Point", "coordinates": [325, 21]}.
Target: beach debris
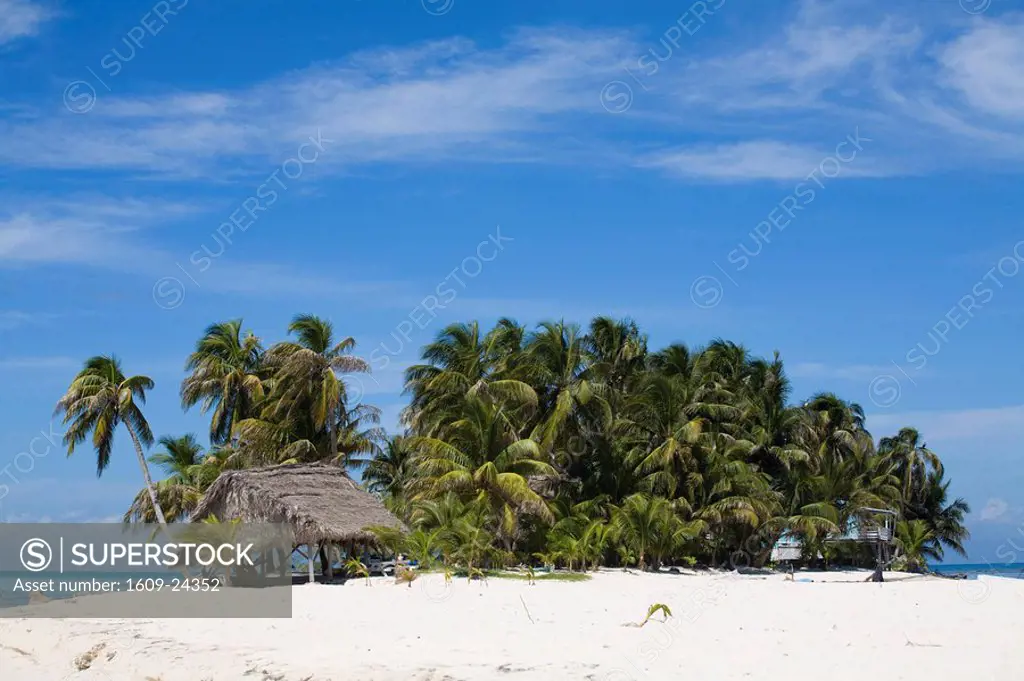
{"type": "Point", "coordinates": [527, 610]}
{"type": "Point", "coordinates": [85, 660]}
{"type": "Point", "coordinates": [18, 651]}
{"type": "Point", "coordinates": [911, 644]}
{"type": "Point", "coordinates": [265, 674]}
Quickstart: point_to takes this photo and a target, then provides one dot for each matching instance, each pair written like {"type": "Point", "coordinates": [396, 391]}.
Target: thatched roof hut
{"type": "Point", "coordinates": [319, 501]}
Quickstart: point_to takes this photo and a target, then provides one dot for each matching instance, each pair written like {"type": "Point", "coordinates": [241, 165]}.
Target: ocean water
{"type": "Point", "coordinates": [972, 570]}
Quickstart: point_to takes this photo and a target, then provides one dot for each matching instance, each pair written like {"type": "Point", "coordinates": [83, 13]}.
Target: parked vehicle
{"type": "Point", "coordinates": [379, 566]}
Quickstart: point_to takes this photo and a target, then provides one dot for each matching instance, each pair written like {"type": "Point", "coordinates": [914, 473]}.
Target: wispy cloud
{"type": "Point", "coordinates": [998, 425]}
{"type": "Point", "coordinates": [756, 160]}
{"type": "Point", "coordinates": [120, 235]}
{"type": "Point", "coordinates": [429, 101]}
{"type": "Point", "coordinates": [852, 372]}
{"type": "Point", "coordinates": [87, 229]}
{"type": "Point", "coordinates": [986, 66]}
{"type": "Point", "coordinates": [13, 319]}
{"type": "Point", "coordinates": [934, 95]}
{"type": "Point", "coordinates": [820, 54]}
{"type": "Point", "coordinates": [995, 510]}
{"type": "Point", "coordinates": [21, 18]}
{"type": "Point", "coordinates": [37, 363]}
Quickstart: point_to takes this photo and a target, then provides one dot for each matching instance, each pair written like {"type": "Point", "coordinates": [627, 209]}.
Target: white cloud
{"type": "Point", "coordinates": [935, 96]}
{"type": "Point", "coordinates": [986, 65]}
{"type": "Point", "coordinates": [817, 58]}
{"type": "Point", "coordinates": [90, 230]}
{"type": "Point", "coordinates": [21, 18]}
{"type": "Point", "coordinates": [118, 235]}
{"type": "Point", "coordinates": [34, 363]}
{"type": "Point", "coordinates": [13, 319]}
{"type": "Point", "coordinates": [979, 426]}
{"type": "Point", "coordinates": [994, 509]}
{"type": "Point", "coordinates": [755, 160]}
{"type": "Point", "coordinates": [852, 372]}
{"type": "Point", "coordinates": [434, 100]}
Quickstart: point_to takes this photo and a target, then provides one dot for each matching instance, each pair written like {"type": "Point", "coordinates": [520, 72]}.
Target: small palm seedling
{"type": "Point", "coordinates": [355, 567]}
{"type": "Point", "coordinates": [405, 575]}
{"type": "Point", "coordinates": [476, 573]}
{"type": "Point", "coordinates": [447, 575]}
{"type": "Point", "coordinates": [651, 611]}
{"type": "Point", "coordinates": [656, 608]}
{"type": "Point", "coordinates": [531, 576]}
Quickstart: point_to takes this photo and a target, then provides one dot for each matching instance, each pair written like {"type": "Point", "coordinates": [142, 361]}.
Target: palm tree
{"type": "Point", "coordinates": [481, 456]}
{"type": "Point", "coordinates": [617, 352]}
{"type": "Point", "coordinates": [359, 436]}
{"type": "Point", "coordinates": [455, 362]}
{"type": "Point", "coordinates": [668, 422]}
{"type": "Point", "coordinates": [225, 377]}
{"type": "Point", "coordinates": [911, 456]}
{"type": "Point", "coordinates": [99, 399]}
{"type": "Point", "coordinates": [570, 441]}
{"type": "Point", "coordinates": [945, 519]}
{"type": "Point", "coordinates": [917, 543]}
{"type": "Point", "coordinates": [182, 461]}
{"type": "Point", "coordinates": [389, 472]}
{"type": "Point", "coordinates": [308, 385]}
{"type": "Point", "coordinates": [649, 527]}
{"type": "Point", "coordinates": [831, 429]}
{"type": "Point", "coordinates": [558, 364]}
{"type": "Point", "coordinates": [462, 362]}
{"type": "Point", "coordinates": [769, 426]}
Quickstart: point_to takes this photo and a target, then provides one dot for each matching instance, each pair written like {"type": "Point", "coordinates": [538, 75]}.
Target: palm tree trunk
{"type": "Point", "coordinates": [333, 433]}
{"type": "Point", "coordinates": [332, 437]}
{"type": "Point", "coordinates": [145, 474]}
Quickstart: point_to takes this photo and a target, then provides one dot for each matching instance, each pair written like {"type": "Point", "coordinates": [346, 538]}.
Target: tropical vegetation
{"type": "Point", "coordinates": [555, 445]}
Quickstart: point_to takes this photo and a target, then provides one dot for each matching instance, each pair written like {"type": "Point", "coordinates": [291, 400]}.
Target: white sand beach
{"type": "Point", "coordinates": [725, 627]}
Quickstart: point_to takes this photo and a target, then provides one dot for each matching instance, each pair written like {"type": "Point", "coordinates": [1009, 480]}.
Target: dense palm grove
{"type": "Point", "coordinates": [553, 444]}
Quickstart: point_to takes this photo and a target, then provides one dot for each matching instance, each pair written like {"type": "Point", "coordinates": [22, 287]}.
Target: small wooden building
{"type": "Point", "coordinates": [322, 504]}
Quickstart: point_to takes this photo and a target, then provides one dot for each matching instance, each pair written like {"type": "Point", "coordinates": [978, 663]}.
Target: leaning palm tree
{"type": "Point", "coordinates": [99, 399]}
{"type": "Point", "coordinates": [224, 377]}
{"type": "Point", "coordinates": [182, 460]}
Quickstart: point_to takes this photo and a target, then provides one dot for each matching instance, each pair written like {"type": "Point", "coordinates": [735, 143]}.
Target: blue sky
{"type": "Point", "coordinates": [836, 181]}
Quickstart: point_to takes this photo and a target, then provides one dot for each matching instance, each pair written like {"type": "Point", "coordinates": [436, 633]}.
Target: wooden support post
{"type": "Point", "coordinates": [310, 555]}
{"type": "Point", "coordinates": [326, 559]}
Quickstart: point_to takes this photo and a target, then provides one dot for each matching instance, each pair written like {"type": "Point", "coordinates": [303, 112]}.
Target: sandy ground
{"type": "Point", "coordinates": [725, 627]}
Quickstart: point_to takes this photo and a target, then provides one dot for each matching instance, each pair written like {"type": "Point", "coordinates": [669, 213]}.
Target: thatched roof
{"type": "Point", "coordinates": [319, 501]}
